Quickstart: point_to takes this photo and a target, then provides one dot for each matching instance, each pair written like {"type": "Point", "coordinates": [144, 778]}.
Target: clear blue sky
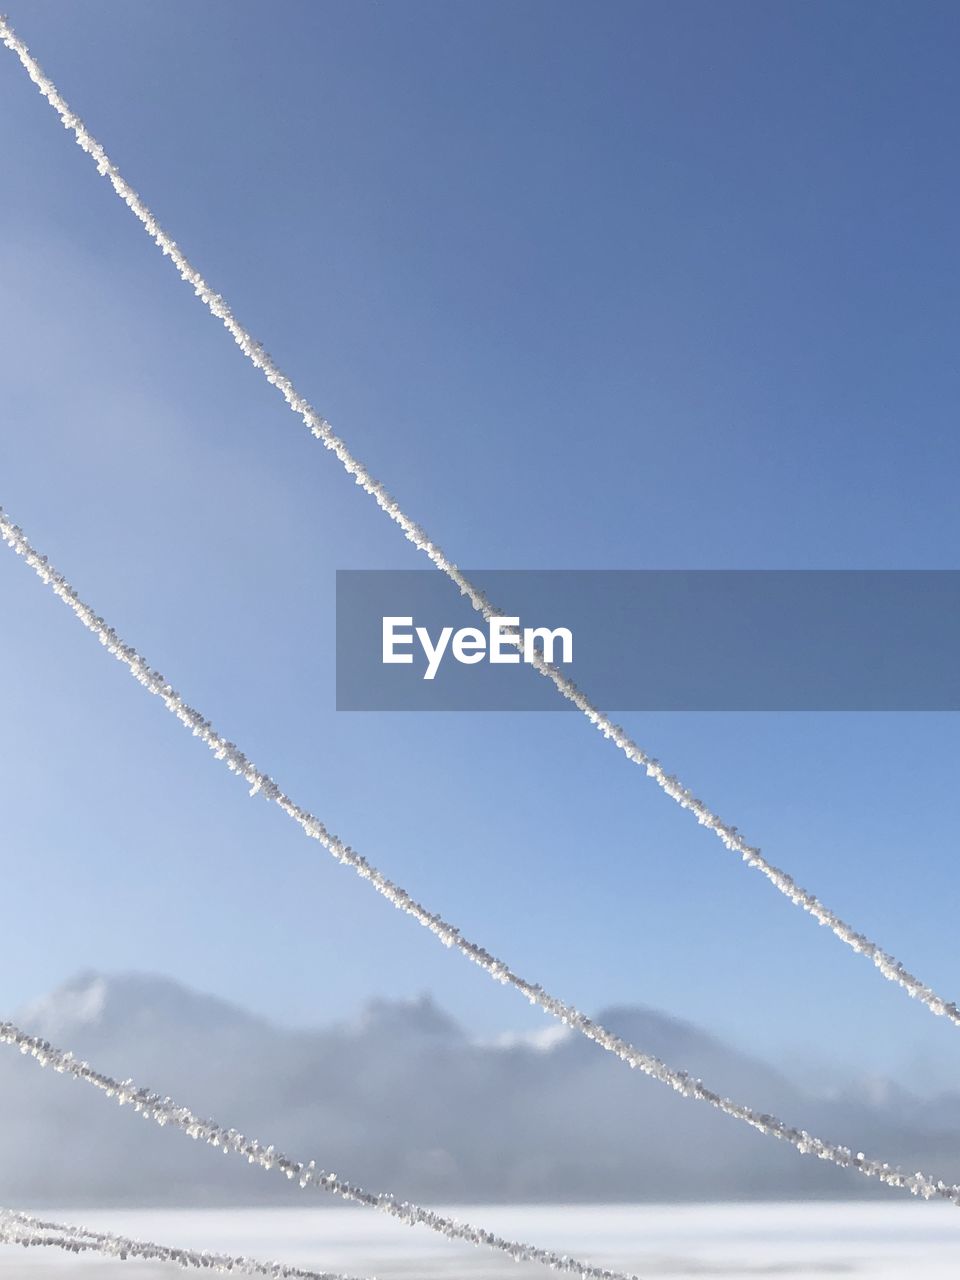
{"type": "Point", "coordinates": [617, 285]}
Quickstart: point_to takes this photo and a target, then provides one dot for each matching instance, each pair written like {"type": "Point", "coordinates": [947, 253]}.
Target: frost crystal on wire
{"type": "Point", "coordinates": [164, 1111]}
{"type": "Point", "coordinates": [21, 1229]}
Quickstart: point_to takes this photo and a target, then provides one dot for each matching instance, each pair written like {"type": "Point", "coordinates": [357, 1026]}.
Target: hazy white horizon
{"type": "Point", "coordinates": [680, 1242]}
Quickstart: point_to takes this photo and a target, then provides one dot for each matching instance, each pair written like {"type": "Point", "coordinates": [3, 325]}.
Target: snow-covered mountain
{"type": "Point", "coordinates": [402, 1100]}
{"type": "Point", "coordinates": [128, 1006]}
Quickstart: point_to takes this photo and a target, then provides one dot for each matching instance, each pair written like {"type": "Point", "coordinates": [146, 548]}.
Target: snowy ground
{"type": "Point", "coordinates": [885, 1241]}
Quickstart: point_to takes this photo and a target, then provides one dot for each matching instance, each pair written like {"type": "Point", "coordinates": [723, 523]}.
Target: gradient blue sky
{"type": "Point", "coordinates": [617, 285]}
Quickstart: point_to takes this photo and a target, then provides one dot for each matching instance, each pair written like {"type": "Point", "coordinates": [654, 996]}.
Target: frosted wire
{"type": "Point", "coordinates": [888, 965]}
{"type": "Point", "coordinates": [164, 1111]}
{"type": "Point", "coordinates": [22, 1229]}
{"type": "Point", "coordinates": [449, 934]}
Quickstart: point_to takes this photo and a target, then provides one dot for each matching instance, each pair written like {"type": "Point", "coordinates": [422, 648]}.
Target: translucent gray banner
{"type": "Point", "coordinates": [655, 640]}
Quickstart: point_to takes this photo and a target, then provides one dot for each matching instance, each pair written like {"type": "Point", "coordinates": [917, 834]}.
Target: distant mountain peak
{"type": "Point", "coordinates": [79, 1002]}
{"type": "Point", "coordinates": [421, 1016]}
{"type": "Point", "coordinates": [125, 1002]}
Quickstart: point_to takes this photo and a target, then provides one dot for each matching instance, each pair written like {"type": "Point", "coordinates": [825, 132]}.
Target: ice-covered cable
{"type": "Point", "coordinates": [888, 965]}
{"type": "Point", "coordinates": [165, 1111]}
{"type": "Point", "coordinates": [22, 1229]}
{"type": "Point", "coordinates": [449, 934]}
